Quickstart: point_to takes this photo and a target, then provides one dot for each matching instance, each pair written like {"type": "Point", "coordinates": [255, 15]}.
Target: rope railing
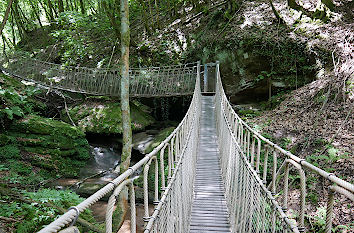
{"type": "Point", "coordinates": [170, 214]}
{"type": "Point", "coordinates": [246, 156]}
{"type": "Point", "coordinates": [144, 82]}
{"type": "Point", "coordinates": [252, 207]}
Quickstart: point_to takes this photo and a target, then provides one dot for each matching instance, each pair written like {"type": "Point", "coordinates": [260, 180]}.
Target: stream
{"type": "Point", "coordinates": [99, 169]}
{"type": "Point", "coordinates": [98, 172]}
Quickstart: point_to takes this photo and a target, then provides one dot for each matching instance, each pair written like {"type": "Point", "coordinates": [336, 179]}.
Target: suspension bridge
{"type": "Point", "coordinates": [213, 173]}
{"type": "Point", "coordinates": [175, 80]}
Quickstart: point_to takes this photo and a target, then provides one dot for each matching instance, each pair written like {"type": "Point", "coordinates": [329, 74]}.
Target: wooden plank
{"type": "Point", "coordinates": [209, 210]}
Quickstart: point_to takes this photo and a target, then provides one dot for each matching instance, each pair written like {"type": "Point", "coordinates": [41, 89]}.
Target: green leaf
{"type": "Point", "coordinates": [8, 112]}
{"type": "Point", "coordinates": [17, 111]}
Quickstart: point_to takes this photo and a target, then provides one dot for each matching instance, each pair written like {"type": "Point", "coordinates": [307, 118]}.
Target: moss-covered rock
{"type": "Point", "coordinates": [106, 117]}
{"type": "Point", "coordinates": [45, 126]}
{"type": "Point", "coordinates": [47, 144]}
{"type": "Point", "coordinates": [256, 60]}
{"type": "Point", "coordinates": [9, 152]}
{"type": "Point", "coordinates": [159, 138]}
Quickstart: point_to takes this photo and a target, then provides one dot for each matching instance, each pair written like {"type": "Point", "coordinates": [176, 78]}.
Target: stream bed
{"type": "Point", "coordinates": [106, 156]}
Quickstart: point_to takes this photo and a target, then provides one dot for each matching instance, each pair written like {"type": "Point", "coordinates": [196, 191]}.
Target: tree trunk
{"type": "Point", "coordinates": [12, 22]}
{"type": "Point", "coordinates": [23, 16]}
{"type": "Point", "coordinates": [127, 131]}
{"type": "Point", "coordinates": [36, 13]}
{"type": "Point", "coordinates": [75, 5]}
{"type": "Point", "coordinates": [8, 42]}
{"type": "Point", "coordinates": [270, 91]}
{"type": "Point", "coordinates": [145, 18]}
{"type": "Point", "coordinates": [280, 20]}
{"type": "Point", "coordinates": [111, 16]}
{"type": "Point", "coordinates": [82, 6]}
{"type": "Point", "coordinates": [47, 11]}
{"type": "Point", "coordinates": [157, 15]}
{"type": "Point", "coordinates": [329, 4]}
{"type": "Point", "coordinates": [52, 9]}
{"type": "Point", "coordinates": [4, 47]}
{"type": "Point", "coordinates": [19, 22]}
{"type": "Point", "coordinates": [60, 6]}
{"type": "Point", "coordinates": [6, 16]}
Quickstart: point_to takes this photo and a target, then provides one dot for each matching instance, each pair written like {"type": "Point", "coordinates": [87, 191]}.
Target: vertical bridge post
{"type": "Point", "coordinates": [205, 78]}
{"type": "Point", "coordinates": [217, 71]}
{"type": "Point", "coordinates": [198, 75]}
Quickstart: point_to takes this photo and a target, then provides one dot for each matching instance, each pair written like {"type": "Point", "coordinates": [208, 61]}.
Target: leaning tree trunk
{"type": "Point", "coordinates": [18, 20]}
{"type": "Point", "coordinates": [127, 131]}
{"type": "Point", "coordinates": [6, 16]}
{"type": "Point", "coordinates": [36, 13]}
{"type": "Point", "coordinates": [110, 12]}
{"type": "Point", "coordinates": [145, 17]}
{"type": "Point", "coordinates": [52, 9]}
{"type": "Point", "coordinates": [275, 12]}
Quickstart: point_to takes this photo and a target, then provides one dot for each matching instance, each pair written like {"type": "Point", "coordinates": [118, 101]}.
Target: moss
{"type": "Point", "coordinates": [10, 152]}
{"type": "Point", "coordinates": [106, 118]}
{"type": "Point", "coordinates": [44, 161]}
{"type": "Point", "coordinates": [44, 151]}
{"type": "Point", "coordinates": [39, 125]}
{"type": "Point", "coordinates": [50, 136]}
{"type": "Point", "coordinates": [249, 113]}
{"type": "Point", "coordinates": [20, 167]}
{"type": "Point", "coordinates": [69, 167]}
{"type": "Point", "coordinates": [139, 118]}
{"type": "Point", "coordinates": [48, 141]}
{"type": "Point", "coordinates": [159, 138]}
{"type": "Point", "coordinates": [47, 144]}
{"type": "Point", "coordinates": [5, 139]}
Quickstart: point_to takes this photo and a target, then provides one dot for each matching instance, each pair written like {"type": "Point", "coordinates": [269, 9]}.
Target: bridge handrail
{"type": "Point", "coordinates": [257, 209]}
{"type": "Point", "coordinates": [152, 224]}
{"type": "Point", "coordinates": [303, 162]}
{"type": "Point", "coordinates": [145, 82]}
{"type": "Point", "coordinates": [247, 137]}
{"type": "Point", "coordinates": [178, 138]}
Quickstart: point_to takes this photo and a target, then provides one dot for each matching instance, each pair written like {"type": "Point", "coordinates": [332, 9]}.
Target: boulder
{"type": "Point", "coordinates": [106, 117]}
{"type": "Point", "coordinates": [158, 139]}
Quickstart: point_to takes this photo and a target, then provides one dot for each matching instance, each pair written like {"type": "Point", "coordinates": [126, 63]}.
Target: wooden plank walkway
{"type": "Point", "coordinates": [209, 210]}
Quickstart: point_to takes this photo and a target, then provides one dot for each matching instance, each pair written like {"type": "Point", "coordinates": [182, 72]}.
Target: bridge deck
{"type": "Point", "coordinates": [209, 210]}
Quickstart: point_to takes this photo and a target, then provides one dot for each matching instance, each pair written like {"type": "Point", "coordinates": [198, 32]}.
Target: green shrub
{"type": "Point", "coordinates": [10, 152]}
{"type": "Point", "coordinates": [16, 104]}
{"type": "Point", "coordinates": [20, 167]}
{"type": "Point", "coordinates": [39, 208]}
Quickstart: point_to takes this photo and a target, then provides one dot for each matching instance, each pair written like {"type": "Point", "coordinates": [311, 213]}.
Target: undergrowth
{"type": "Point", "coordinates": [30, 211]}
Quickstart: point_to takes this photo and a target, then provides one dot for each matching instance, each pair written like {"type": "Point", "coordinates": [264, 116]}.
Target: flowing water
{"type": "Point", "coordinates": [96, 174]}
{"type": "Point", "coordinates": [98, 170]}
